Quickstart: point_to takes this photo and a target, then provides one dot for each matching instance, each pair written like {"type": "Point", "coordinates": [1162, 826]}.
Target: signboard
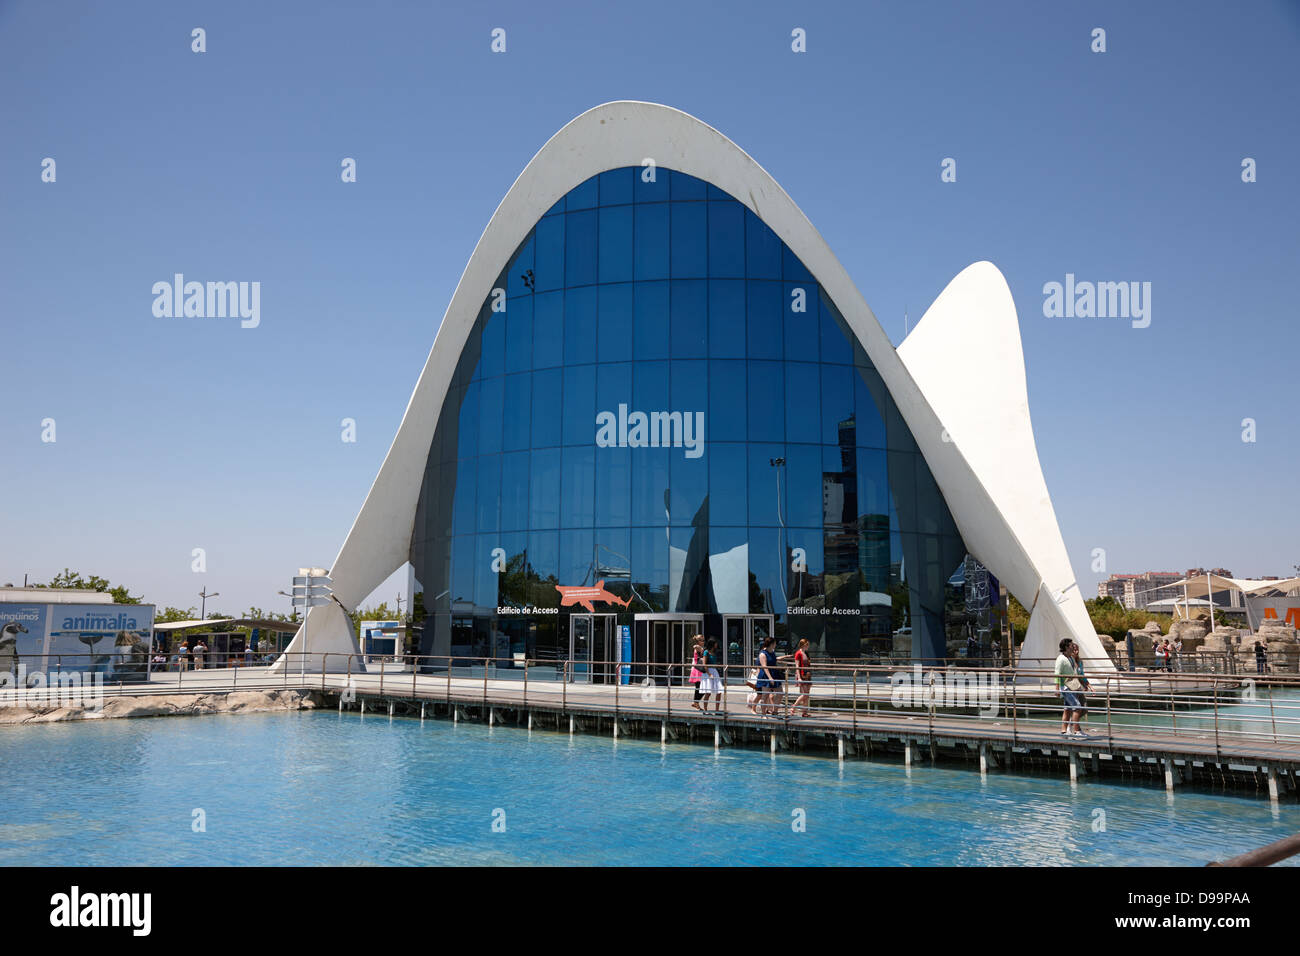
{"type": "Point", "coordinates": [625, 653]}
{"type": "Point", "coordinates": [380, 637]}
{"type": "Point", "coordinates": [109, 639]}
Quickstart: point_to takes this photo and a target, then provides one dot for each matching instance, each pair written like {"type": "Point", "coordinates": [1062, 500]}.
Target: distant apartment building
{"type": "Point", "coordinates": [1136, 591]}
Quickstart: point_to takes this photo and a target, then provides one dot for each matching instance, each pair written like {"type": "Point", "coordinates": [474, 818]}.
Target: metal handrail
{"type": "Point", "coordinates": [1203, 707]}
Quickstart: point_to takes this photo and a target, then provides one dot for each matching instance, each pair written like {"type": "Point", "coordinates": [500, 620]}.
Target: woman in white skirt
{"type": "Point", "coordinates": [711, 683]}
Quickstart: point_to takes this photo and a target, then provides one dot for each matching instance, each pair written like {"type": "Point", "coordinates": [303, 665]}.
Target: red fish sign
{"type": "Point", "coordinates": [585, 595]}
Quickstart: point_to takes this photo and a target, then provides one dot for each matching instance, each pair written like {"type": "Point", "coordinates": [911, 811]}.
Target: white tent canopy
{"type": "Point", "coordinates": [1203, 584]}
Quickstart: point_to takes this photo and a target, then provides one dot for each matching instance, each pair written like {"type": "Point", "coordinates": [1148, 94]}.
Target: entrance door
{"type": "Point", "coordinates": [580, 634]}
{"type": "Point", "coordinates": [592, 648]}
{"type": "Point", "coordinates": [662, 645]}
{"type": "Point", "coordinates": [737, 645]}
{"type": "Point", "coordinates": [744, 635]}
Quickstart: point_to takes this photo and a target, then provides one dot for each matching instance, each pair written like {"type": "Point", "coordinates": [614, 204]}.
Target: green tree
{"type": "Point", "coordinates": [73, 580]}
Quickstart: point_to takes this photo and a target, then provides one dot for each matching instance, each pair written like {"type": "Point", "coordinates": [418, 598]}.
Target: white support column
{"type": "Point", "coordinates": [422, 711]}
{"type": "Point", "coordinates": [570, 725]}
{"type": "Point", "coordinates": [1272, 784]}
{"type": "Point", "coordinates": [663, 731]}
{"type": "Point", "coordinates": [717, 737]}
{"type": "Point", "coordinates": [1169, 774]}
{"type": "Point", "coordinates": [530, 720]}
{"type": "Point", "coordinates": [907, 753]}
{"type": "Point", "coordinates": [984, 759]}
{"type": "Point", "coordinates": [492, 716]}
{"type": "Point", "coordinates": [1074, 767]}
{"type": "Point", "coordinates": [839, 746]}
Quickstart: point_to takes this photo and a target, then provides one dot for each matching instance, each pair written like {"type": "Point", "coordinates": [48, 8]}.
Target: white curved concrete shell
{"type": "Point", "coordinates": [982, 454]}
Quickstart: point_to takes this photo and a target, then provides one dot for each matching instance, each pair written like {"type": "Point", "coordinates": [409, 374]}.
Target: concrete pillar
{"type": "Point", "coordinates": [492, 716]}
{"type": "Point", "coordinates": [363, 705]}
{"type": "Point", "coordinates": [390, 708]}
{"type": "Point", "coordinates": [455, 715]}
{"type": "Point", "coordinates": [422, 710]}
{"type": "Point", "coordinates": [717, 737]}
{"type": "Point", "coordinates": [1169, 775]}
{"type": "Point", "coordinates": [616, 728]}
{"type": "Point", "coordinates": [663, 731]}
{"type": "Point", "coordinates": [1272, 784]}
{"type": "Point", "coordinates": [839, 746]}
{"type": "Point", "coordinates": [773, 741]}
{"type": "Point", "coordinates": [907, 753]}
{"type": "Point", "coordinates": [1074, 767]}
{"type": "Point", "coordinates": [984, 759]}
{"type": "Point", "coordinates": [571, 725]}
{"type": "Point", "coordinates": [340, 703]}
{"type": "Point", "coordinates": [530, 720]}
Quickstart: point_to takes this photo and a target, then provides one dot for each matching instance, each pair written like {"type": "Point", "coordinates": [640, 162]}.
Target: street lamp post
{"type": "Point", "coordinates": [203, 604]}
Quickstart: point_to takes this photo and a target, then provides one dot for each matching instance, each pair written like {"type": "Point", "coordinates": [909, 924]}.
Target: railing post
{"type": "Point", "coordinates": [381, 677]}
{"type": "Point", "coordinates": [486, 661]}
{"type": "Point", "coordinates": [1015, 711]}
{"type": "Point", "coordinates": [1110, 738]}
{"type": "Point", "coordinates": [449, 682]}
{"type": "Point", "coordinates": [1214, 684]}
{"type": "Point", "coordinates": [1271, 718]}
{"type": "Point", "coordinates": [414, 669]}
{"type": "Point", "coordinates": [1173, 707]}
{"type": "Point", "coordinates": [349, 683]}
{"type": "Point", "coordinates": [855, 698]}
{"type": "Point", "coordinates": [323, 660]}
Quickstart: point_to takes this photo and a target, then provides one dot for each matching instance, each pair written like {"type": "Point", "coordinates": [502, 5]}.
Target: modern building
{"type": "Point", "coordinates": [658, 405]}
{"type": "Point", "coordinates": [1139, 591]}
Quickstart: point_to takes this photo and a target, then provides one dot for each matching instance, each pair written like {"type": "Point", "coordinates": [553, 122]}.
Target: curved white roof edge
{"type": "Point", "coordinates": [981, 478]}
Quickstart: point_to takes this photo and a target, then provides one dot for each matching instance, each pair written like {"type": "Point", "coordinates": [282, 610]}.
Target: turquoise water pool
{"type": "Point", "coordinates": [323, 788]}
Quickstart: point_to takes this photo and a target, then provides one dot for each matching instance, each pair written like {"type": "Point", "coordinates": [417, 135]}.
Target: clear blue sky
{"type": "Point", "coordinates": [182, 433]}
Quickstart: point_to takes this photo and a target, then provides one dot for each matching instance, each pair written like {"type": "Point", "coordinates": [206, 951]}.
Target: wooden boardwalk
{"type": "Point", "coordinates": [1020, 733]}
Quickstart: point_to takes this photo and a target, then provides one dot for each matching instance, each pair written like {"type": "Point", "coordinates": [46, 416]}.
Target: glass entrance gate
{"type": "Point", "coordinates": [593, 648]}
{"type": "Point", "coordinates": [661, 647]}
{"type": "Point", "coordinates": [742, 636]}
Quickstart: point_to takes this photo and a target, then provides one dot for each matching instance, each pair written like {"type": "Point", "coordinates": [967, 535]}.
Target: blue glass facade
{"type": "Point", "coordinates": [659, 395]}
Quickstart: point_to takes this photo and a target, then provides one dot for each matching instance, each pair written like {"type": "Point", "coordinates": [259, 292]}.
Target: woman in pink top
{"type": "Point", "coordinates": [697, 650]}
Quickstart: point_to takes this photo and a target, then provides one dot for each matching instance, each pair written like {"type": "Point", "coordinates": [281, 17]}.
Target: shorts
{"type": "Point", "coordinates": [1072, 699]}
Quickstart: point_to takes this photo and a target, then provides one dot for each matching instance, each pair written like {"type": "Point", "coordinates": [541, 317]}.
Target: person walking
{"type": "Point", "coordinates": [697, 652]}
{"type": "Point", "coordinates": [766, 684]}
{"type": "Point", "coordinates": [200, 652]}
{"type": "Point", "coordinates": [710, 682]}
{"type": "Point", "coordinates": [1261, 658]}
{"type": "Point", "coordinates": [189, 655]}
{"type": "Point", "coordinates": [1178, 653]}
{"type": "Point", "coordinates": [1077, 659]}
{"type": "Point", "coordinates": [803, 678]}
{"type": "Point", "coordinates": [1068, 685]}
{"type": "Point", "coordinates": [1158, 648]}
